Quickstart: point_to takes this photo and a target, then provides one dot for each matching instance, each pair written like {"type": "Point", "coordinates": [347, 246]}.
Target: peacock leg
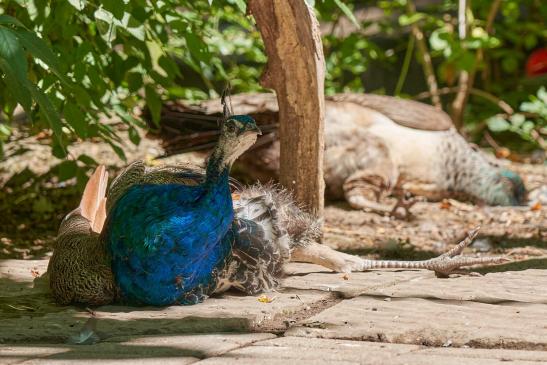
{"type": "Point", "coordinates": [443, 265]}
{"type": "Point", "coordinates": [325, 256]}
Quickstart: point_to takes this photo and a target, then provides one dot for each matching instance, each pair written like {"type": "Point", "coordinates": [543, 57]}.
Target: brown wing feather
{"type": "Point", "coordinates": [94, 192]}
{"type": "Point", "coordinates": [407, 113]}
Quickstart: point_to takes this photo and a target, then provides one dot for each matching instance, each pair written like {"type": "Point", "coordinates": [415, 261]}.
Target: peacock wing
{"type": "Point", "coordinates": [408, 113]}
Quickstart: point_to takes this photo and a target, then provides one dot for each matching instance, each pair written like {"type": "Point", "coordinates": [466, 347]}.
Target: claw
{"type": "Point", "coordinates": [443, 265]}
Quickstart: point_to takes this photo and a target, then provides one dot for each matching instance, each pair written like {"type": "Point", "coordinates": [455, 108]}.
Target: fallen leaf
{"type": "Point", "coordinates": [34, 272]}
{"type": "Point", "coordinates": [265, 299]}
{"type": "Point", "coordinates": [445, 204]}
{"type": "Point", "coordinates": [503, 152]}
{"type": "Point", "coordinates": [536, 207]}
{"type": "Point", "coordinates": [87, 335]}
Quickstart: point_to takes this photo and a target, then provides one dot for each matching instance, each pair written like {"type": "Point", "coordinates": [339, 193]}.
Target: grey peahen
{"type": "Point", "coordinates": [268, 230]}
{"type": "Point", "coordinates": [374, 146]}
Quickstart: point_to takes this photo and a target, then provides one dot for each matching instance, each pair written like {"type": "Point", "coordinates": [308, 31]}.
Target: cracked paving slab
{"type": "Point", "coordinates": [178, 349]}
{"type": "Point", "coordinates": [519, 286]}
{"type": "Point", "coordinates": [431, 322]}
{"type": "Point", "coordinates": [30, 315]}
{"type": "Point", "coordinates": [304, 351]}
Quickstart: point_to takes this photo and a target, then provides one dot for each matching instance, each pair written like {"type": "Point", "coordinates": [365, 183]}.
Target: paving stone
{"type": "Point", "coordinates": [179, 349]}
{"type": "Point", "coordinates": [431, 322]}
{"type": "Point", "coordinates": [519, 286]}
{"type": "Point", "coordinates": [34, 317]}
{"type": "Point", "coordinates": [17, 276]}
{"type": "Point", "coordinates": [302, 351]}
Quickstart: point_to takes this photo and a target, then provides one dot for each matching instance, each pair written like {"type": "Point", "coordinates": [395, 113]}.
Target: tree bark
{"type": "Point", "coordinates": [296, 71]}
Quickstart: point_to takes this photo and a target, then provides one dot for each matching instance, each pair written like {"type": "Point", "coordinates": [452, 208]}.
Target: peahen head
{"type": "Point", "coordinates": [508, 189]}
{"type": "Point", "coordinates": [237, 134]}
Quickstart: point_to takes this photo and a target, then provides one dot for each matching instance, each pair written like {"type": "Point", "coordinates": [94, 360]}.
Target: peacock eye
{"type": "Point", "coordinates": [230, 126]}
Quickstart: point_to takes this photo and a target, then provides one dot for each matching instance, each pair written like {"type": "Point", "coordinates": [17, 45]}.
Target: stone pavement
{"type": "Point", "coordinates": [319, 317]}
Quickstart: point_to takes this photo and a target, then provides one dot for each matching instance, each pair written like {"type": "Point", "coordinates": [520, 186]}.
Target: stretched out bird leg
{"type": "Point", "coordinates": [443, 265]}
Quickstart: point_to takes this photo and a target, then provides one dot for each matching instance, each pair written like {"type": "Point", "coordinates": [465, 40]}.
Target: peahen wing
{"type": "Point", "coordinates": [405, 112]}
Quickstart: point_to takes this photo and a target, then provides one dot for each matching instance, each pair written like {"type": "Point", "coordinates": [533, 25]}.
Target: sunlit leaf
{"type": "Point", "coordinates": [116, 7]}
{"type": "Point", "coordinates": [78, 4]}
{"type": "Point", "coordinates": [39, 49]}
{"type": "Point", "coordinates": [49, 112]}
{"type": "Point", "coordinates": [347, 12]}
{"type": "Point", "coordinates": [498, 124]}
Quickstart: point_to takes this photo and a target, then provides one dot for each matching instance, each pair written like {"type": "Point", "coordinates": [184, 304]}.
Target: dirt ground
{"type": "Point", "coordinates": [31, 211]}
{"type": "Point", "coordinates": [316, 317]}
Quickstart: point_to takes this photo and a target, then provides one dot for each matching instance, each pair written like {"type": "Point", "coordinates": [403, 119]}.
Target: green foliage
{"type": "Point", "coordinates": [496, 53]}
{"type": "Point", "coordinates": [526, 124]}
{"type": "Point", "coordinates": [74, 65]}
{"type": "Point", "coordinates": [71, 64]}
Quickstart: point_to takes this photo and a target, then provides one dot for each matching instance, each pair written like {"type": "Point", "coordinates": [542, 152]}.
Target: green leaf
{"type": "Point", "coordinates": [19, 88]}
{"type": "Point", "coordinates": [39, 49]}
{"type": "Point", "coordinates": [6, 19]}
{"type": "Point", "coordinates": [14, 64]}
{"type": "Point", "coordinates": [12, 52]}
{"type": "Point", "coordinates": [116, 7]}
{"type": "Point", "coordinates": [240, 4]}
{"type": "Point", "coordinates": [50, 113]}
{"type": "Point", "coordinates": [76, 119]}
{"type": "Point", "coordinates": [66, 170]}
{"type": "Point", "coordinates": [153, 102]}
{"type": "Point", "coordinates": [405, 19]}
{"type": "Point", "coordinates": [89, 161]}
{"type": "Point", "coordinates": [347, 12]}
{"type": "Point", "coordinates": [198, 49]}
{"type": "Point", "coordinates": [509, 64]}
{"type": "Point", "coordinates": [134, 136]}
{"type": "Point", "coordinates": [78, 4]}
{"type": "Point", "coordinates": [134, 81]}
{"type": "Point", "coordinates": [498, 124]}
{"type": "Point", "coordinates": [117, 150]}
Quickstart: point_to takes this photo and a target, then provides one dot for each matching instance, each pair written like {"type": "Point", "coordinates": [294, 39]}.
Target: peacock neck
{"type": "Point", "coordinates": [217, 170]}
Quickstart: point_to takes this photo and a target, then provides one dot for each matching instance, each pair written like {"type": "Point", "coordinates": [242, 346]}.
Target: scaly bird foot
{"type": "Point", "coordinates": [443, 265]}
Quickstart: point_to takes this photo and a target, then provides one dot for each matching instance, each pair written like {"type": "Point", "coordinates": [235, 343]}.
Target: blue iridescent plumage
{"type": "Point", "coordinates": [167, 241]}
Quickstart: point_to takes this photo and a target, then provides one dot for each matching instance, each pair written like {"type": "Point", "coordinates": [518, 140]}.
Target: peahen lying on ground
{"type": "Point", "coordinates": [374, 146]}
{"type": "Point", "coordinates": [97, 262]}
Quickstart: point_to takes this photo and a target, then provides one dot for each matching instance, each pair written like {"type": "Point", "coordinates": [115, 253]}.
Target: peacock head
{"type": "Point", "coordinates": [238, 133]}
{"type": "Point", "coordinates": [508, 189]}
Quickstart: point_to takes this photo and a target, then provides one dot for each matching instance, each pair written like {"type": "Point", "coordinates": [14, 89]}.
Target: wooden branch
{"type": "Point", "coordinates": [425, 59]}
{"type": "Point", "coordinates": [467, 79]}
{"type": "Point", "coordinates": [480, 93]}
{"type": "Point", "coordinates": [296, 71]}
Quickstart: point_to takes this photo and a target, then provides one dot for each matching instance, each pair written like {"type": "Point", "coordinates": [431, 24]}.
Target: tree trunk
{"type": "Point", "coordinates": [296, 71]}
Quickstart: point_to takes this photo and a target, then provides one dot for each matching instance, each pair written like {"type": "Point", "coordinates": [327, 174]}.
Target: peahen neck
{"type": "Point", "coordinates": [467, 170]}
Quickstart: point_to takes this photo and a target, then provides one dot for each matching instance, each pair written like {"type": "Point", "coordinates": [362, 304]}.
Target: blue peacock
{"type": "Point", "coordinates": [177, 234]}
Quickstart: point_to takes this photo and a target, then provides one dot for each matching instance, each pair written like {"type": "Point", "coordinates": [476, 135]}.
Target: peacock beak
{"type": "Point", "coordinates": [254, 128]}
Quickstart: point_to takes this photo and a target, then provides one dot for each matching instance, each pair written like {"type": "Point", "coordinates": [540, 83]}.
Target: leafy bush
{"type": "Point", "coordinates": [73, 64]}
{"type": "Point", "coordinates": [95, 58]}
